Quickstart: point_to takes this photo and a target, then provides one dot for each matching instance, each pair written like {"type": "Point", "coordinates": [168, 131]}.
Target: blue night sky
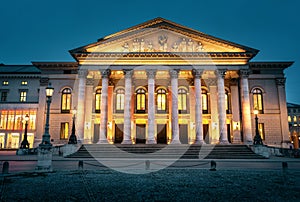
{"type": "Point", "coordinates": [35, 30]}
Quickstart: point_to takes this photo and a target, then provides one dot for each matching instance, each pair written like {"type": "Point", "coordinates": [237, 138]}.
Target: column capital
{"type": "Point", "coordinates": [220, 73]}
{"type": "Point", "coordinates": [197, 73]}
{"type": "Point", "coordinates": [82, 73]}
{"type": "Point", "coordinates": [280, 81]}
{"type": "Point", "coordinates": [105, 73]}
{"type": "Point", "coordinates": [128, 73]}
{"type": "Point", "coordinates": [244, 73]}
{"type": "Point", "coordinates": [151, 73]}
{"type": "Point", "coordinates": [174, 73]}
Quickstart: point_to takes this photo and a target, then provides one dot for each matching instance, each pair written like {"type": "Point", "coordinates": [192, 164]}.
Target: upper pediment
{"type": "Point", "coordinates": [161, 36]}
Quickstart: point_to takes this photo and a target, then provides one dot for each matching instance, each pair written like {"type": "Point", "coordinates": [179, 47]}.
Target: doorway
{"type": "Point", "coordinates": [119, 133]}
{"type": "Point", "coordinates": [228, 133]}
{"type": "Point", "coordinates": [206, 133]}
{"type": "Point", "coordinates": [96, 133]}
{"type": "Point", "coordinates": [162, 133]}
{"type": "Point", "coordinates": [183, 133]}
{"type": "Point", "coordinates": [140, 133]}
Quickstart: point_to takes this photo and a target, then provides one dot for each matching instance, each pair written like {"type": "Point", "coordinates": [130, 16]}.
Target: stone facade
{"type": "Point", "coordinates": [155, 83]}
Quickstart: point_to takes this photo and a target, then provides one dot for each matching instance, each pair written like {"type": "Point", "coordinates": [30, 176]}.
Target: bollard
{"type": "Point", "coordinates": [284, 166]}
{"type": "Point", "coordinates": [213, 166]}
{"type": "Point", "coordinates": [5, 167]}
{"type": "Point", "coordinates": [80, 164]}
{"type": "Point", "coordinates": [147, 164]}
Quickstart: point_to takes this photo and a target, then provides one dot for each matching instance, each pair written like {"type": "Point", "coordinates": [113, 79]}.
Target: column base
{"type": "Point", "coordinates": [151, 142]}
{"type": "Point", "coordinates": [102, 141]}
{"type": "Point", "coordinates": [199, 142]}
{"type": "Point", "coordinates": [126, 142]}
{"type": "Point", "coordinates": [224, 142]}
{"type": "Point", "coordinates": [175, 142]}
{"type": "Point", "coordinates": [44, 163]}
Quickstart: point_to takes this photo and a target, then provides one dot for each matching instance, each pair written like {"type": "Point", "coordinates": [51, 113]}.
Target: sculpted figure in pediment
{"type": "Point", "coordinates": [135, 45]}
{"type": "Point", "coordinates": [125, 47]}
{"type": "Point", "coordinates": [162, 40]}
{"type": "Point", "coordinates": [142, 45]}
{"type": "Point", "coordinates": [175, 47]}
{"type": "Point", "coordinates": [150, 46]}
{"type": "Point", "coordinates": [199, 47]}
{"type": "Point", "coordinates": [183, 45]}
{"type": "Point", "coordinates": [190, 45]}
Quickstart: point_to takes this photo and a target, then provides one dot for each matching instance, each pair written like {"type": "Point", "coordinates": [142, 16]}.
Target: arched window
{"type": "Point", "coordinates": [257, 99]}
{"type": "Point", "coordinates": [182, 100]}
{"type": "Point", "coordinates": [66, 97]}
{"type": "Point", "coordinates": [98, 100]}
{"type": "Point", "coordinates": [140, 100]}
{"type": "Point", "coordinates": [227, 102]}
{"type": "Point", "coordinates": [120, 99]}
{"type": "Point", "coordinates": [204, 97]}
{"type": "Point", "coordinates": [161, 100]}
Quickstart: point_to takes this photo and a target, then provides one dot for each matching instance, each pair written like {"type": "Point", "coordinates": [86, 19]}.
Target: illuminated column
{"type": "Point", "coordinates": [221, 106]}
{"type": "Point", "coordinates": [104, 96]}
{"type": "Point", "coordinates": [151, 107]}
{"type": "Point", "coordinates": [127, 107]}
{"type": "Point", "coordinates": [235, 108]}
{"type": "Point", "coordinates": [174, 87]}
{"type": "Point", "coordinates": [214, 126]}
{"type": "Point", "coordinates": [280, 82]}
{"type": "Point", "coordinates": [88, 110]}
{"type": "Point", "coordinates": [246, 111]}
{"type": "Point", "coordinates": [82, 73]}
{"type": "Point", "coordinates": [198, 110]}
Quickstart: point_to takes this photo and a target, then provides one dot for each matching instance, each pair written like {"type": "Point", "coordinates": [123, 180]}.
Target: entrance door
{"type": "Point", "coordinates": [140, 133]}
{"type": "Point", "coordinates": [118, 133]}
{"type": "Point", "coordinates": [162, 133]}
{"type": "Point", "coordinates": [96, 133]}
{"type": "Point", "coordinates": [183, 133]}
{"type": "Point", "coordinates": [206, 133]}
{"type": "Point", "coordinates": [228, 133]}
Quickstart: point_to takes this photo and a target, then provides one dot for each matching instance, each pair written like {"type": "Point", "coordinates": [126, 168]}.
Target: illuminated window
{"type": "Point", "coordinates": [141, 100]}
{"type": "Point", "coordinates": [66, 100]}
{"type": "Point", "coordinates": [98, 101]}
{"type": "Point", "coordinates": [289, 119]}
{"type": "Point", "coordinates": [257, 100]}
{"type": "Point", "coordinates": [161, 100]}
{"type": "Point", "coordinates": [120, 99]}
{"type": "Point", "coordinates": [24, 83]}
{"type": "Point", "coordinates": [182, 100]}
{"type": "Point", "coordinates": [23, 96]}
{"type": "Point", "coordinates": [261, 129]}
{"type": "Point", "coordinates": [227, 102]}
{"type": "Point", "coordinates": [4, 83]}
{"type": "Point", "coordinates": [3, 96]}
{"type": "Point", "coordinates": [204, 97]}
{"type": "Point", "coordinates": [64, 131]}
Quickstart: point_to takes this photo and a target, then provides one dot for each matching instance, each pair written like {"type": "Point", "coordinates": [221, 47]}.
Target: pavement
{"type": "Point", "coordinates": [150, 180]}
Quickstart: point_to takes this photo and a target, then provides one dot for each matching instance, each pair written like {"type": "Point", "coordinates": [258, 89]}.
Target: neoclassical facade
{"type": "Point", "coordinates": [160, 83]}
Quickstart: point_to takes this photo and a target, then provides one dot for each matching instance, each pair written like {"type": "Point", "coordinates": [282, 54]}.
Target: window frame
{"type": "Point", "coordinates": [66, 100]}
{"type": "Point", "coordinates": [98, 94]}
{"type": "Point", "coordinates": [64, 135]}
{"type": "Point", "coordinates": [23, 95]}
{"type": "Point", "coordinates": [120, 100]}
{"type": "Point", "coordinates": [141, 93]}
{"type": "Point", "coordinates": [184, 109]}
{"type": "Point", "coordinates": [204, 92]}
{"type": "Point", "coordinates": [160, 93]}
{"type": "Point", "coordinates": [257, 98]}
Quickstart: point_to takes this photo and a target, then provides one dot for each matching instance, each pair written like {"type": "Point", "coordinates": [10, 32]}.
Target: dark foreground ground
{"type": "Point", "coordinates": [164, 185]}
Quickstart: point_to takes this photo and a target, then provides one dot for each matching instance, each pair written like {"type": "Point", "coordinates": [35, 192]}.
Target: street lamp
{"type": "Point", "coordinates": [46, 136]}
{"type": "Point", "coordinates": [257, 139]}
{"type": "Point", "coordinates": [73, 139]}
{"type": "Point", "coordinates": [24, 143]}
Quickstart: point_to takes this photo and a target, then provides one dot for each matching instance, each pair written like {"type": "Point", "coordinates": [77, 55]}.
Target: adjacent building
{"type": "Point", "coordinates": [155, 83]}
{"type": "Point", "coordinates": [294, 123]}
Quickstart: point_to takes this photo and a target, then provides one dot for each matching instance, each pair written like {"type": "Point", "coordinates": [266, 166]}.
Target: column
{"type": "Point", "coordinates": [213, 101]}
{"type": "Point", "coordinates": [174, 87]}
{"type": "Point", "coordinates": [151, 107]}
{"type": "Point", "coordinates": [221, 106]}
{"type": "Point", "coordinates": [198, 106]}
{"type": "Point", "coordinates": [235, 107]}
{"type": "Point", "coordinates": [104, 96]}
{"type": "Point", "coordinates": [246, 109]}
{"type": "Point", "coordinates": [88, 110]}
{"type": "Point", "coordinates": [127, 107]}
{"type": "Point", "coordinates": [82, 73]}
{"type": "Point", "coordinates": [280, 82]}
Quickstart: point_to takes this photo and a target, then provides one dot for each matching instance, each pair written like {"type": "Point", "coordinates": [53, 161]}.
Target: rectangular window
{"type": "Point", "coordinates": [4, 83]}
{"type": "Point", "coordinates": [64, 131]}
{"type": "Point", "coordinates": [261, 129]}
{"type": "Point", "coordinates": [23, 96]}
{"type": "Point", "coordinates": [3, 96]}
{"type": "Point", "coordinates": [24, 83]}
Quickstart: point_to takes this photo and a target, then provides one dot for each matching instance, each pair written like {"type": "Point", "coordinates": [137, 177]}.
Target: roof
{"type": "Point", "coordinates": [292, 105]}
{"type": "Point", "coordinates": [19, 69]}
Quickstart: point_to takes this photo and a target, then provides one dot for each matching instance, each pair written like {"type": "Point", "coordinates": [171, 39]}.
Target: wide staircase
{"type": "Point", "coordinates": [160, 151]}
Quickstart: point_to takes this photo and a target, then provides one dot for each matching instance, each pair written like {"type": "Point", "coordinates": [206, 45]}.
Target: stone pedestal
{"type": "Point", "coordinates": [261, 150]}
{"type": "Point", "coordinates": [22, 151]}
{"type": "Point", "coordinates": [69, 149]}
{"type": "Point", "coordinates": [44, 163]}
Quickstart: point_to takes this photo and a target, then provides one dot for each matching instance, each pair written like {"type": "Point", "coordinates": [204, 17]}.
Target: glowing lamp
{"type": "Point", "coordinates": [255, 111]}
{"type": "Point", "coordinates": [26, 117]}
{"type": "Point", "coordinates": [49, 90]}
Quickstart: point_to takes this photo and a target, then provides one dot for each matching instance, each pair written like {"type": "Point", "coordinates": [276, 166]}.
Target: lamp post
{"type": "Point", "coordinates": [24, 143]}
{"type": "Point", "coordinates": [257, 139]}
{"type": "Point", "coordinates": [73, 139]}
{"type": "Point", "coordinates": [46, 135]}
